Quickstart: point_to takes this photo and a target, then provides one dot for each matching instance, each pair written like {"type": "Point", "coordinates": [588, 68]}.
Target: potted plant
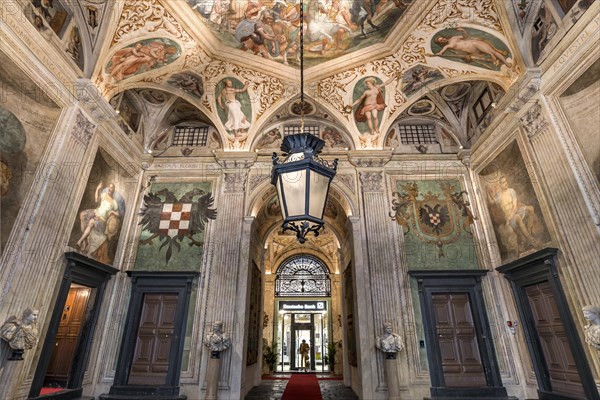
{"type": "Point", "coordinates": [332, 349]}
{"type": "Point", "coordinates": [270, 355]}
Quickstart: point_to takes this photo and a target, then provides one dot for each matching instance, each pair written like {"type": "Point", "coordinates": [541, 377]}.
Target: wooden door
{"type": "Point", "coordinates": [457, 340]}
{"type": "Point", "coordinates": [69, 330]}
{"type": "Point", "coordinates": [560, 363]}
{"type": "Point", "coordinates": [155, 333]}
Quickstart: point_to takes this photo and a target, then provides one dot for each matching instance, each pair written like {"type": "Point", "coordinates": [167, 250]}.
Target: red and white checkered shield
{"type": "Point", "coordinates": [175, 219]}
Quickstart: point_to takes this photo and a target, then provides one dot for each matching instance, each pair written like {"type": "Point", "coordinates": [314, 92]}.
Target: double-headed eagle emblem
{"type": "Point", "coordinates": [171, 219]}
{"type": "Point", "coordinates": [433, 218]}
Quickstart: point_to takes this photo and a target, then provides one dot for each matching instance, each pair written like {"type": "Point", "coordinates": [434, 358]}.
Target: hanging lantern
{"type": "Point", "coordinates": [302, 180]}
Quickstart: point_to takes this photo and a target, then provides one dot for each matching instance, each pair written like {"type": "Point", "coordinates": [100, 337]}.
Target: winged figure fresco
{"type": "Point", "coordinates": [172, 220]}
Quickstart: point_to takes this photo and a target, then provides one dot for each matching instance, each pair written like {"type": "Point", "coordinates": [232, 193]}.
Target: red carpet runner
{"type": "Point", "coordinates": [302, 387]}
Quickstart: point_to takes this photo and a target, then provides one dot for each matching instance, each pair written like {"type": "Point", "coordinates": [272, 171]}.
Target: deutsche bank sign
{"type": "Point", "coordinates": [303, 305]}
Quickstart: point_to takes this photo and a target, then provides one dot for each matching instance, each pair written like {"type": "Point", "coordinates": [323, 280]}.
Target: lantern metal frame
{"type": "Point", "coordinates": [302, 155]}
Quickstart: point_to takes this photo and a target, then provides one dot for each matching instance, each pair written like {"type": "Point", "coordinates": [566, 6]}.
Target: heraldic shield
{"type": "Point", "coordinates": [434, 218]}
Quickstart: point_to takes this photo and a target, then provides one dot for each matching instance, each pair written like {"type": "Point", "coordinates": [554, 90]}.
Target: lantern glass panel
{"type": "Point", "coordinates": [294, 188]}
{"type": "Point", "coordinates": [318, 194]}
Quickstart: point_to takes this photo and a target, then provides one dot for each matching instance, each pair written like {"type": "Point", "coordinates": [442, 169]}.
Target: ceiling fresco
{"type": "Point", "coordinates": [190, 49]}
{"type": "Point", "coordinates": [270, 28]}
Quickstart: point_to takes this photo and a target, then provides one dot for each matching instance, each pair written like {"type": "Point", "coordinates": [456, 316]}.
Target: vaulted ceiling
{"type": "Point", "coordinates": [162, 54]}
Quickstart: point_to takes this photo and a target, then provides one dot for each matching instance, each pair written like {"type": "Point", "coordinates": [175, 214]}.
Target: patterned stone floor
{"type": "Point", "coordinates": [273, 389]}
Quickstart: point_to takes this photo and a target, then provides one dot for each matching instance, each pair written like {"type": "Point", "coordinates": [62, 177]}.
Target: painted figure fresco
{"type": "Point", "coordinates": [189, 82]}
{"type": "Point", "coordinates": [270, 139]}
{"type": "Point", "coordinates": [418, 77]}
{"type": "Point", "coordinates": [234, 105]}
{"type": "Point", "coordinates": [369, 103]}
{"type": "Point", "coordinates": [543, 31]}
{"type": "Point", "coordinates": [25, 127]}
{"type": "Point", "coordinates": [74, 48]}
{"type": "Point", "coordinates": [270, 28]}
{"type": "Point", "coordinates": [471, 46]}
{"type": "Point", "coordinates": [333, 138]}
{"type": "Point", "coordinates": [173, 219]}
{"type": "Point", "coordinates": [513, 206]}
{"type": "Point", "coordinates": [436, 220]}
{"type": "Point", "coordinates": [52, 13]}
{"type": "Point", "coordinates": [140, 57]}
{"type": "Point", "coordinates": [97, 229]}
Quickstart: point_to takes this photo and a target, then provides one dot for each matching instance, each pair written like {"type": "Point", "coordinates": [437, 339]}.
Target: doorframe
{"type": "Point", "coordinates": [180, 282]}
{"type": "Point", "coordinates": [530, 270]}
{"type": "Point", "coordinates": [458, 281]}
{"type": "Point", "coordinates": [84, 271]}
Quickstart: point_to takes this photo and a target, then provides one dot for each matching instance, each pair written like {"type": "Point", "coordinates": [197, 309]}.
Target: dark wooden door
{"type": "Point", "coordinates": [155, 333]}
{"type": "Point", "coordinates": [69, 330]}
{"type": "Point", "coordinates": [457, 340]}
{"type": "Point", "coordinates": [560, 363]}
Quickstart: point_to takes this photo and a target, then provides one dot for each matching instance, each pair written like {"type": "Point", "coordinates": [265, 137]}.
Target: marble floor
{"type": "Point", "coordinates": [272, 389]}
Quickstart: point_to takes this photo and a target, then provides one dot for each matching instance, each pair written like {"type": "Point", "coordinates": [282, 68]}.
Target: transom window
{"type": "Point", "coordinates": [302, 276]}
{"type": "Point", "coordinates": [294, 129]}
{"type": "Point", "coordinates": [190, 136]}
{"type": "Point", "coordinates": [417, 134]}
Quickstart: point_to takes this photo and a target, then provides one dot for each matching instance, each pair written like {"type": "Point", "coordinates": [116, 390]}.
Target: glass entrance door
{"type": "Point", "coordinates": [295, 327]}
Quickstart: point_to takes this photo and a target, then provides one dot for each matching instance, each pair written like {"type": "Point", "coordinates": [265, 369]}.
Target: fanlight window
{"type": "Point", "coordinates": [302, 276]}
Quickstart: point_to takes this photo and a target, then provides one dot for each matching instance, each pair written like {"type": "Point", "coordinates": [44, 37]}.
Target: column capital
{"type": "Point", "coordinates": [534, 121]}
{"type": "Point", "coordinates": [371, 181]}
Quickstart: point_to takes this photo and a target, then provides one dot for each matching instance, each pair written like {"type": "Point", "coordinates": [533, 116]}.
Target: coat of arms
{"type": "Point", "coordinates": [434, 218]}
{"type": "Point", "coordinates": [172, 219]}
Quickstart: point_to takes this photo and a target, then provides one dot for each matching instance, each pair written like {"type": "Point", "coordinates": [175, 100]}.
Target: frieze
{"type": "Point", "coordinates": [528, 90]}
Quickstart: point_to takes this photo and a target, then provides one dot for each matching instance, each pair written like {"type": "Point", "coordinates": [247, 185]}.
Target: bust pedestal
{"type": "Point", "coordinates": [212, 375]}
{"type": "Point", "coordinates": [390, 364]}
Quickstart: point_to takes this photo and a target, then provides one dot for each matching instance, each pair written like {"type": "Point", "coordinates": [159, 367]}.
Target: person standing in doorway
{"type": "Point", "coordinates": [303, 350]}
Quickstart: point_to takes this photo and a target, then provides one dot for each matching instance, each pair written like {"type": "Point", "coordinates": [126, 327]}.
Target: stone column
{"type": "Point", "coordinates": [381, 259]}
{"type": "Point", "coordinates": [227, 276]}
{"type": "Point", "coordinates": [578, 236]}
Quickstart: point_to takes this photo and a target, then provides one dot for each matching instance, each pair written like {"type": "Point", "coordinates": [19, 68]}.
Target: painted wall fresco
{"type": "Point", "coordinates": [189, 82]}
{"type": "Point", "coordinates": [93, 12]}
{"type": "Point", "coordinates": [270, 28]}
{"type": "Point", "coordinates": [234, 106]}
{"type": "Point", "coordinates": [513, 206]}
{"type": "Point", "coordinates": [436, 221]}
{"type": "Point", "coordinates": [173, 220]}
{"type": "Point", "coordinates": [142, 56]}
{"type": "Point", "coordinates": [580, 104]}
{"type": "Point", "coordinates": [471, 46]}
{"type": "Point", "coordinates": [418, 77]}
{"type": "Point", "coordinates": [74, 47]}
{"type": "Point", "coordinates": [27, 119]}
{"type": "Point", "coordinates": [99, 222]}
{"type": "Point", "coordinates": [369, 103]}
{"type": "Point", "coordinates": [544, 29]}
{"type": "Point", "coordinates": [51, 14]}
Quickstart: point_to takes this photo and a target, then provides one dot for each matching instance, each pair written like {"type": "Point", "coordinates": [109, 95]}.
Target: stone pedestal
{"type": "Point", "coordinates": [390, 365]}
{"type": "Point", "coordinates": [212, 376]}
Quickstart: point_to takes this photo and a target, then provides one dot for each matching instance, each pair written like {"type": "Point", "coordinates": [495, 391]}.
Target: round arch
{"type": "Point", "coordinates": [302, 275]}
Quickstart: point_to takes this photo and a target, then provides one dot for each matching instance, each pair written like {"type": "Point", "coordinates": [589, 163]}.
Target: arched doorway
{"type": "Point", "coordinates": [303, 305]}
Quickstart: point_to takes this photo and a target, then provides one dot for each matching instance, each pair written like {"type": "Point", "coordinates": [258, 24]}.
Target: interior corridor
{"type": "Point", "coordinates": [273, 388]}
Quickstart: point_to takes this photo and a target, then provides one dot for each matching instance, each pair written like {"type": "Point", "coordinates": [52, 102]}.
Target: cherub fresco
{"type": "Point", "coordinates": [141, 57]}
{"type": "Point", "coordinates": [471, 46]}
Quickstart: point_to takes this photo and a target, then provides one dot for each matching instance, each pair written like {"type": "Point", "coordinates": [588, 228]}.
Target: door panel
{"type": "Point", "coordinates": [153, 346]}
{"type": "Point", "coordinates": [560, 362]}
{"type": "Point", "coordinates": [457, 339]}
{"type": "Point", "coordinates": [69, 329]}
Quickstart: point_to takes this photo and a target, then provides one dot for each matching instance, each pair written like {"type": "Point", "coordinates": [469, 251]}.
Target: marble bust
{"type": "Point", "coordinates": [217, 340]}
{"type": "Point", "coordinates": [389, 342]}
{"type": "Point", "coordinates": [592, 329]}
{"type": "Point", "coordinates": [21, 334]}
